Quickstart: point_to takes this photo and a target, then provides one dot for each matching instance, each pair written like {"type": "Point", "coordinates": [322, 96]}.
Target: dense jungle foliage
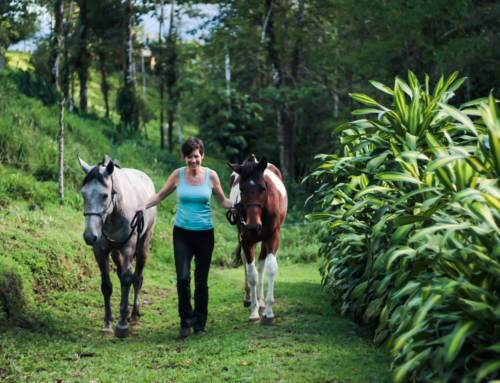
{"type": "Point", "coordinates": [411, 211]}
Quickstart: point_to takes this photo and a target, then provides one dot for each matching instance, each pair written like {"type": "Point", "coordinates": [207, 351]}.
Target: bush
{"type": "Point", "coordinates": [411, 216]}
{"type": "Point", "coordinates": [15, 288]}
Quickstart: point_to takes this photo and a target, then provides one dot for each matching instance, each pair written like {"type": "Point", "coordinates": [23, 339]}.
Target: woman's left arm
{"type": "Point", "coordinates": [218, 192]}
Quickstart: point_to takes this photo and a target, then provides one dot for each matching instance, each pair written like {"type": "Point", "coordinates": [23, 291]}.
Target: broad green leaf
{"type": "Point", "coordinates": [355, 208]}
{"type": "Point", "coordinates": [414, 113]}
{"type": "Point", "coordinates": [399, 100]}
{"type": "Point", "coordinates": [463, 118]}
{"type": "Point", "coordinates": [415, 192]}
{"type": "Point", "coordinates": [373, 189]}
{"type": "Point", "coordinates": [381, 87]}
{"type": "Point", "coordinates": [456, 339]}
{"type": "Point", "coordinates": [408, 219]}
{"type": "Point", "coordinates": [400, 374]}
{"type": "Point", "coordinates": [397, 177]}
{"type": "Point", "coordinates": [366, 111]}
{"type": "Point", "coordinates": [400, 233]}
{"type": "Point", "coordinates": [358, 290]}
{"type": "Point", "coordinates": [495, 151]}
{"type": "Point", "coordinates": [414, 155]}
{"type": "Point", "coordinates": [441, 161]}
{"type": "Point", "coordinates": [487, 368]}
{"type": "Point", "coordinates": [476, 164]}
{"type": "Point", "coordinates": [364, 99]}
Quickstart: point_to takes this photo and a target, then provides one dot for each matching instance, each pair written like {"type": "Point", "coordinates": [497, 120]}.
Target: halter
{"type": "Point", "coordinates": [137, 221]}
{"type": "Point", "coordinates": [113, 192]}
{"type": "Point", "coordinates": [238, 218]}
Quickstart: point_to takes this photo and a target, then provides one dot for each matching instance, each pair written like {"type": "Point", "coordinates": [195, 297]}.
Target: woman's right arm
{"type": "Point", "coordinates": [168, 188]}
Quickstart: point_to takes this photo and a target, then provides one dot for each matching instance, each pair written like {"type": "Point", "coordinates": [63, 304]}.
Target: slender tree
{"type": "Point", "coordinates": [159, 70]}
{"type": "Point", "coordinates": [55, 53]}
{"type": "Point", "coordinates": [171, 77]}
{"type": "Point", "coordinates": [82, 61]}
{"type": "Point", "coordinates": [66, 64]}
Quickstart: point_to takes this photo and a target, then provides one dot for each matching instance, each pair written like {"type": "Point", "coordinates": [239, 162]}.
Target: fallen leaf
{"type": "Point", "coordinates": [251, 350]}
{"type": "Point", "coordinates": [257, 344]}
{"type": "Point", "coordinates": [186, 361]}
{"type": "Point", "coordinates": [244, 363]}
{"type": "Point", "coordinates": [354, 371]}
{"type": "Point", "coordinates": [214, 373]}
{"type": "Point", "coordinates": [332, 319]}
{"type": "Point", "coordinates": [367, 362]}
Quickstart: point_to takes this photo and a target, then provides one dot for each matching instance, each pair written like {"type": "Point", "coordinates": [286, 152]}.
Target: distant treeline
{"type": "Point", "coordinates": [268, 77]}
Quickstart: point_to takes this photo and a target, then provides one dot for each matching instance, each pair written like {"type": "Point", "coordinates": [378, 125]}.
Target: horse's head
{"type": "Point", "coordinates": [253, 191]}
{"type": "Point", "coordinates": [98, 197]}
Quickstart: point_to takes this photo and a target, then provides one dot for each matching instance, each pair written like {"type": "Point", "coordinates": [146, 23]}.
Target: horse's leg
{"type": "Point", "coordinates": [252, 280]}
{"type": "Point", "coordinates": [140, 262]}
{"type": "Point", "coordinates": [102, 257]}
{"type": "Point", "coordinates": [126, 278]}
{"type": "Point", "coordinates": [118, 261]}
{"type": "Point", "coordinates": [261, 265]}
{"type": "Point", "coordinates": [272, 270]}
{"type": "Point", "coordinates": [247, 302]}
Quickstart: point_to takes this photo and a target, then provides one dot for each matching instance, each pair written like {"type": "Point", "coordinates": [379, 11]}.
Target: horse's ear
{"type": "Point", "coordinates": [236, 168]}
{"type": "Point", "coordinates": [263, 163]}
{"type": "Point", "coordinates": [110, 167]}
{"type": "Point", "coordinates": [85, 167]}
{"type": "Point", "coordinates": [106, 159]}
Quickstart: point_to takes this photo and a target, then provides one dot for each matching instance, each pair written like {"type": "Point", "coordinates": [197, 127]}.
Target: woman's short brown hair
{"type": "Point", "coordinates": [190, 145]}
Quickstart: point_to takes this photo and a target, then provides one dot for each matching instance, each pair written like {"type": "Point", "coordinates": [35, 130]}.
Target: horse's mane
{"type": "Point", "coordinates": [95, 174]}
{"type": "Point", "coordinates": [250, 168]}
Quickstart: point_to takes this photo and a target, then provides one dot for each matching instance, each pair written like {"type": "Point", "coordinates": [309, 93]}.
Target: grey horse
{"type": "Point", "coordinates": [111, 196]}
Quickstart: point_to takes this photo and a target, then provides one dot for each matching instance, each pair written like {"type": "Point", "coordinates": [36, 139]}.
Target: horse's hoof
{"type": "Point", "coordinates": [106, 333]}
{"type": "Point", "coordinates": [135, 324]}
{"type": "Point", "coordinates": [247, 303]}
{"type": "Point", "coordinates": [265, 321]}
{"type": "Point", "coordinates": [261, 309]}
{"type": "Point", "coordinates": [254, 320]}
{"type": "Point", "coordinates": [121, 332]}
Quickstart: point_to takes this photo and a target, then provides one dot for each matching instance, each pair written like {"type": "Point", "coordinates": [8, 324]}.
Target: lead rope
{"type": "Point", "coordinates": [137, 223]}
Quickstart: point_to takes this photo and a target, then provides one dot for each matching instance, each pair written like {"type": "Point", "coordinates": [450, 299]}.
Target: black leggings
{"type": "Point", "coordinates": [187, 243]}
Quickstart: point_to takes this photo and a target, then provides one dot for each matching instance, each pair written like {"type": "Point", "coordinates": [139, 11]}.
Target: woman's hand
{"type": "Point", "coordinates": [141, 209]}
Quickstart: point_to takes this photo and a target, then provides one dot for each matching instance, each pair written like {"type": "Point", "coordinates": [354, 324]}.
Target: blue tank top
{"type": "Point", "coordinates": [193, 205]}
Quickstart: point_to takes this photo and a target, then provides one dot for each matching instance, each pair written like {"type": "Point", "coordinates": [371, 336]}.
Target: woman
{"type": "Point", "coordinates": [193, 231]}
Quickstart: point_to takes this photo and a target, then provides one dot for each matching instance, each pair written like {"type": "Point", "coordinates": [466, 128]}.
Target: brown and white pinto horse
{"type": "Point", "coordinates": [258, 189]}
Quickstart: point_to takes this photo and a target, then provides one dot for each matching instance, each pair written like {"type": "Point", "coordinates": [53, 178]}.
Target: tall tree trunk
{"type": "Point", "coordinates": [160, 75]}
{"type": "Point", "coordinates": [2, 58]}
{"type": "Point", "coordinates": [281, 105]}
{"type": "Point", "coordinates": [104, 81]}
{"type": "Point", "coordinates": [83, 58]}
{"type": "Point", "coordinates": [65, 68]}
{"type": "Point", "coordinates": [56, 43]}
{"type": "Point", "coordinates": [296, 59]}
{"type": "Point", "coordinates": [228, 83]}
{"type": "Point", "coordinates": [171, 78]}
{"type": "Point", "coordinates": [128, 108]}
{"type": "Point", "coordinates": [144, 97]}
{"type": "Point", "coordinates": [61, 151]}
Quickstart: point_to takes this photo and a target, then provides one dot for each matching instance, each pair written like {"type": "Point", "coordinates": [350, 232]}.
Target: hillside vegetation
{"type": "Point", "coordinates": [44, 240]}
{"type": "Point", "coordinates": [411, 211]}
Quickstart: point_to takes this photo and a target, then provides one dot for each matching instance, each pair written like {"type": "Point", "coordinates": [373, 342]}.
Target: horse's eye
{"type": "Point", "coordinates": [104, 196]}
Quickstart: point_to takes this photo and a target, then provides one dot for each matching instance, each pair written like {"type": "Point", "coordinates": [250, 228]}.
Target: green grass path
{"type": "Point", "coordinates": [308, 343]}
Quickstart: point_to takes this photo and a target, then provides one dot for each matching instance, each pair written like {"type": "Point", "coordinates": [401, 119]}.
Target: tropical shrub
{"type": "Point", "coordinates": [410, 209]}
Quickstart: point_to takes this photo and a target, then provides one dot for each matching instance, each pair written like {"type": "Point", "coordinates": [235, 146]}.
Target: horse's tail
{"type": "Point", "coordinates": [237, 261]}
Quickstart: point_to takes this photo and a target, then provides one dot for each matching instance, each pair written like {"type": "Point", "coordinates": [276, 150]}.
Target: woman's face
{"type": "Point", "coordinates": [193, 161]}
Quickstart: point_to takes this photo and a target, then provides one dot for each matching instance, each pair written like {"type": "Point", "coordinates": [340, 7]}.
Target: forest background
{"type": "Point", "coordinates": [266, 77]}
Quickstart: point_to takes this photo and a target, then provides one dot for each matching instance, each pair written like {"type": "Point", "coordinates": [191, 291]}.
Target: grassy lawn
{"type": "Point", "coordinates": [308, 343]}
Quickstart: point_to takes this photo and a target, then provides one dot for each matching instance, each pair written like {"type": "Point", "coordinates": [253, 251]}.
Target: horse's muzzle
{"type": "Point", "coordinates": [90, 238]}
{"type": "Point", "coordinates": [254, 231]}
